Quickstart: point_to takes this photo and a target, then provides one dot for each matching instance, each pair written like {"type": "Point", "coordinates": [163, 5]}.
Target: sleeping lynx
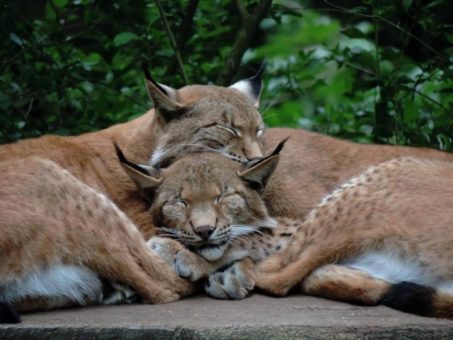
{"type": "Point", "coordinates": [58, 237]}
{"type": "Point", "coordinates": [360, 244]}
{"type": "Point", "coordinates": [59, 195]}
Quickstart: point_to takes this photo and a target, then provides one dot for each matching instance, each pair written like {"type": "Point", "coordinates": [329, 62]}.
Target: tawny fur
{"type": "Point", "coordinates": [373, 212]}
{"type": "Point", "coordinates": [315, 163]}
{"type": "Point", "coordinates": [400, 207]}
{"type": "Point", "coordinates": [91, 157]}
{"type": "Point", "coordinates": [48, 218]}
{"type": "Point", "coordinates": [186, 197]}
{"type": "Point", "coordinates": [312, 165]}
{"type": "Point", "coordinates": [88, 164]}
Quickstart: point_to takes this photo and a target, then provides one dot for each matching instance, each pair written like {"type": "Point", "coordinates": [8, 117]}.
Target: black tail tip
{"type": "Point", "coordinates": [8, 314]}
{"type": "Point", "coordinates": [410, 298]}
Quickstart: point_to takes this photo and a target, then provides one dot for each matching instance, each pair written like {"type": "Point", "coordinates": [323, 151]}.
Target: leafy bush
{"type": "Point", "coordinates": [379, 72]}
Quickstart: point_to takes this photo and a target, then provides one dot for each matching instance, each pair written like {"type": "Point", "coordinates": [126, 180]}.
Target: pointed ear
{"type": "Point", "coordinates": [251, 87]}
{"type": "Point", "coordinates": [164, 98]}
{"type": "Point", "coordinates": [258, 171]}
{"type": "Point", "coordinates": [144, 176]}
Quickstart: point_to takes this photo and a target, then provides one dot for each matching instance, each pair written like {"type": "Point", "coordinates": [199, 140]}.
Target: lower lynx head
{"type": "Point", "coordinates": [212, 118]}
{"type": "Point", "coordinates": [205, 200]}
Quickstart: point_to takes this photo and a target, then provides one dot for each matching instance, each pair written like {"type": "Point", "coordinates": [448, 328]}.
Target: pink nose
{"type": "Point", "coordinates": [204, 231]}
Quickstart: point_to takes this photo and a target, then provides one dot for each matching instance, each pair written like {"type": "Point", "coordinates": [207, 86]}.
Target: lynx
{"type": "Point", "coordinates": [393, 222]}
{"type": "Point", "coordinates": [362, 243]}
{"type": "Point", "coordinates": [59, 238]}
{"type": "Point", "coordinates": [196, 117]}
{"type": "Point", "coordinates": [93, 192]}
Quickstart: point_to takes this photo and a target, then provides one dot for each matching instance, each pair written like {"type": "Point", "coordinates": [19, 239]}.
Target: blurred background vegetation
{"type": "Point", "coordinates": [367, 70]}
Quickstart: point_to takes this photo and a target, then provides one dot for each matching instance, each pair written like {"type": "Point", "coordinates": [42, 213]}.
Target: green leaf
{"type": "Point", "coordinates": [353, 32]}
{"type": "Point", "coordinates": [60, 3]}
{"type": "Point", "coordinates": [411, 111]}
{"type": "Point", "coordinates": [407, 4]}
{"type": "Point", "coordinates": [123, 38]}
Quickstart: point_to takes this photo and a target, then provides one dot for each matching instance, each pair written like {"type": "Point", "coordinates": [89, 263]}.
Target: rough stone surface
{"type": "Point", "coordinates": [258, 317]}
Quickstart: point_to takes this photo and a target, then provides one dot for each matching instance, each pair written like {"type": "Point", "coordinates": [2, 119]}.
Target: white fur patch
{"type": "Point", "coordinates": [243, 86]}
{"type": "Point", "coordinates": [213, 253]}
{"type": "Point", "coordinates": [156, 156]}
{"type": "Point", "coordinates": [75, 283]}
{"type": "Point", "coordinates": [446, 287]}
{"type": "Point", "coordinates": [392, 268]}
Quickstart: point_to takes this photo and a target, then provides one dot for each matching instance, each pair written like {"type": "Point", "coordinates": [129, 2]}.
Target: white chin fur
{"type": "Point", "coordinates": [213, 253]}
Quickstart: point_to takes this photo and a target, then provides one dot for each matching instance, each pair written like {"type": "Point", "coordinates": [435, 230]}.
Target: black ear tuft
{"type": "Point", "coordinates": [410, 298]}
{"type": "Point", "coordinates": [149, 78]}
{"type": "Point", "coordinates": [279, 147]}
{"type": "Point", "coordinates": [125, 161]}
{"type": "Point", "coordinates": [8, 313]}
{"type": "Point", "coordinates": [256, 81]}
{"type": "Point", "coordinates": [146, 72]}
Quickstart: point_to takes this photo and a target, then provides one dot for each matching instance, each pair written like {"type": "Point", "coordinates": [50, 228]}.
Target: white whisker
{"type": "Point", "coordinates": [170, 231]}
{"type": "Point", "coordinates": [239, 229]}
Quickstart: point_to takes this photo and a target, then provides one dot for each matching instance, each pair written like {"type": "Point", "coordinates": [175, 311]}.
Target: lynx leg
{"type": "Point", "coordinates": [66, 222]}
{"type": "Point", "coordinates": [138, 267]}
{"type": "Point", "coordinates": [344, 284]}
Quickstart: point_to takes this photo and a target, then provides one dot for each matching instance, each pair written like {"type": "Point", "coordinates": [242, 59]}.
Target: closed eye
{"type": "Point", "coordinates": [205, 127]}
{"type": "Point", "coordinates": [233, 131]}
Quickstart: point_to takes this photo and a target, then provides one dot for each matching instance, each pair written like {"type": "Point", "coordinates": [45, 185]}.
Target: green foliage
{"type": "Point", "coordinates": [356, 74]}
{"type": "Point", "coordinates": [73, 66]}
{"type": "Point", "coordinates": [373, 71]}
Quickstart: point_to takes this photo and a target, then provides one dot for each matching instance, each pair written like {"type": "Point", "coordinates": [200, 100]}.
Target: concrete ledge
{"type": "Point", "coordinates": [204, 318]}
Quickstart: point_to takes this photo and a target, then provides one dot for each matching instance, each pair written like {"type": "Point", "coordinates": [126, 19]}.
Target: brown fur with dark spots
{"type": "Point", "coordinates": [416, 221]}
{"type": "Point", "coordinates": [40, 228]}
{"type": "Point", "coordinates": [68, 215]}
{"type": "Point", "coordinates": [312, 165]}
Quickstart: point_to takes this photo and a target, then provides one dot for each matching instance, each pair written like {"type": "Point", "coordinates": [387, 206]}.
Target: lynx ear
{"type": "Point", "coordinates": [251, 87]}
{"type": "Point", "coordinates": [145, 176]}
{"type": "Point", "coordinates": [164, 98]}
{"type": "Point", "coordinates": [258, 171]}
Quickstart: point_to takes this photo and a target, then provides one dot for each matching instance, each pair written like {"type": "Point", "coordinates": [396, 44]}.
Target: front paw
{"type": "Point", "coordinates": [166, 249]}
{"type": "Point", "coordinates": [185, 263]}
{"type": "Point", "coordinates": [236, 282]}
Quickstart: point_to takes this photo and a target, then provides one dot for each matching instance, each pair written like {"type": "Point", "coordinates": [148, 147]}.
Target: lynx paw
{"type": "Point", "coordinates": [165, 248]}
{"type": "Point", "coordinates": [121, 294]}
{"type": "Point", "coordinates": [185, 263]}
{"type": "Point", "coordinates": [236, 282]}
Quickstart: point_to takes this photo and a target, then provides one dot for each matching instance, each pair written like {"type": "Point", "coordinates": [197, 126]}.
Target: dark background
{"type": "Point", "coordinates": [369, 71]}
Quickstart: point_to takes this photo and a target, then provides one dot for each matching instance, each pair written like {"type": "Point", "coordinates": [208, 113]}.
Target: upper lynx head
{"type": "Point", "coordinates": [212, 118]}
{"type": "Point", "coordinates": [206, 200]}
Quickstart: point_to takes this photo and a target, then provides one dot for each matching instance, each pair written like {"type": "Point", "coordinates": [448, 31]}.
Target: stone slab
{"type": "Point", "coordinates": [258, 317]}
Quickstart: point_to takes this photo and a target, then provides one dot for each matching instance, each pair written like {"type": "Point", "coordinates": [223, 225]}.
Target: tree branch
{"type": "Point", "coordinates": [249, 25]}
{"type": "Point", "coordinates": [388, 22]}
{"type": "Point", "coordinates": [172, 41]}
{"type": "Point", "coordinates": [185, 31]}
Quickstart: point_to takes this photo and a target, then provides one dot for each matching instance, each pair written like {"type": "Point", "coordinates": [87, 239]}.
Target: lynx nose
{"type": "Point", "coordinates": [253, 150]}
{"type": "Point", "coordinates": [204, 231]}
